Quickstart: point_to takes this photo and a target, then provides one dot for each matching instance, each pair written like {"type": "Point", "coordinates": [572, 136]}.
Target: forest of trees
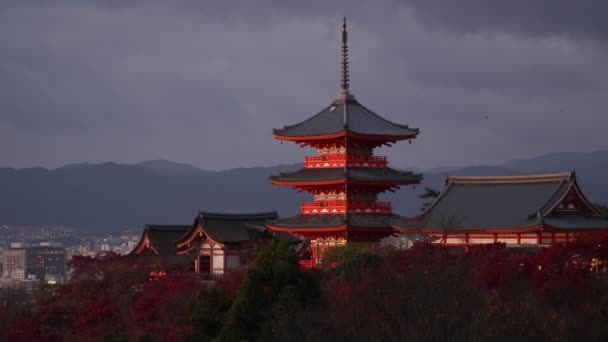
{"type": "Point", "coordinates": [371, 293]}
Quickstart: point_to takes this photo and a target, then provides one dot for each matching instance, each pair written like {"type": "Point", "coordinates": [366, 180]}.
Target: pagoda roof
{"type": "Point", "coordinates": [310, 175]}
{"type": "Point", "coordinates": [159, 239]}
{"type": "Point", "coordinates": [228, 228]}
{"type": "Point", "coordinates": [507, 203]}
{"type": "Point", "coordinates": [347, 115]}
{"type": "Point", "coordinates": [310, 221]}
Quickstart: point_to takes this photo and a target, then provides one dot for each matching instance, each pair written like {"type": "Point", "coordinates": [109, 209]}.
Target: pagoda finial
{"type": "Point", "coordinates": [345, 79]}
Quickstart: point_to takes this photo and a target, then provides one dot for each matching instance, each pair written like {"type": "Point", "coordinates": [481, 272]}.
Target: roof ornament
{"type": "Point", "coordinates": [345, 79]}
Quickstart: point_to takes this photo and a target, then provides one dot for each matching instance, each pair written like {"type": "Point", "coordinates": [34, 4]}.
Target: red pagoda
{"type": "Point", "coordinates": [345, 176]}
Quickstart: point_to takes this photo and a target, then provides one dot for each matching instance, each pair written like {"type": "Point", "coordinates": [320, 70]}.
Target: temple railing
{"type": "Point", "coordinates": [307, 264]}
{"type": "Point", "coordinates": [343, 160]}
{"type": "Point", "coordinates": [346, 207]}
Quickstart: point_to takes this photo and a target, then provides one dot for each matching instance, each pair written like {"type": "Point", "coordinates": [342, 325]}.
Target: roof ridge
{"type": "Point", "coordinates": [556, 196]}
{"type": "Point", "coordinates": [428, 208]}
{"type": "Point", "coordinates": [385, 119]}
{"type": "Point", "coordinates": [238, 216]}
{"type": "Point", "coordinates": [531, 178]}
{"type": "Point", "coordinates": [309, 119]}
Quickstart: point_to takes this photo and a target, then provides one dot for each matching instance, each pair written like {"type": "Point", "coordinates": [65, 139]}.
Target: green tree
{"type": "Point", "coordinates": [429, 193]}
{"type": "Point", "coordinates": [275, 279]}
{"type": "Point", "coordinates": [602, 208]}
{"type": "Point", "coordinates": [350, 259]}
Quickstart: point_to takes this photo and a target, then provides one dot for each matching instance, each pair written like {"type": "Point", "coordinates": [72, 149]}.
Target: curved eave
{"type": "Point", "coordinates": [144, 243]}
{"type": "Point", "coordinates": [371, 137]}
{"type": "Point", "coordinates": [387, 229]}
{"type": "Point", "coordinates": [186, 250]}
{"type": "Point", "coordinates": [346, 180]}
{"type": "Point", "coordinates": [549, 228]}
{"type": "Point", "coordinates": [331, 229]}
{"type": "Point", "coordinates": [586, 200]}
{"type": "Point", "coordinates": [511, 230]}
{"type": "Point", "coordinates": [307, 230]}
{"type": "Point", "coordinates": [196, 233]}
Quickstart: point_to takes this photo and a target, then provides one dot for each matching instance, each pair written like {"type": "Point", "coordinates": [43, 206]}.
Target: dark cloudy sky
{"type": "Point", "coordinates": [204, 82]}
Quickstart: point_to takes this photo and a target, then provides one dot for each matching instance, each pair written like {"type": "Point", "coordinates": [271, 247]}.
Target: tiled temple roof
{"type": "Point", "coordinates": [507, 202]}
{"type": "Point", "coordinates": [346, 115]}
{"type": "Point", "coordinates": [360, 174]}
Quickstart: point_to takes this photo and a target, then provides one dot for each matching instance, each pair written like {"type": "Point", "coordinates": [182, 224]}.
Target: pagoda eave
{"type": "Point", "coordinates": [349, 134]}
{"type": "Point", "coordinates": [343, 228]}
{"type": "Point", "coordinates": [298, 230]}
{"type": "Point", "coordinates": [343, 181]}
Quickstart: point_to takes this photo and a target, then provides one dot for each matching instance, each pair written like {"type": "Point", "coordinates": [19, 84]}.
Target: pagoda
{"type": "Point", "coordinates": [345, 176]}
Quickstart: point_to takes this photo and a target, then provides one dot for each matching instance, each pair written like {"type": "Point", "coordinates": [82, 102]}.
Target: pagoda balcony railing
{"type": "Point", "coordinates": [307, 264]}
{"type": "Point", "coordinates": [342, 160]}
{"type": "Point", "coordinates": [346, 207]}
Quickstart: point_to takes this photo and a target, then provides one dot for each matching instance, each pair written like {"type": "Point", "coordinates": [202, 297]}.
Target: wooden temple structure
{"type": "Point", "coordinates": [516, 210]}
{"type": "Point", "coordinates": [218, 243]}
{"type": "Point", "coordinates": [345, 176]}
{"type": "Point", "coordinates": [156, 248]}
{"type": "Point", "coordinates": [214, 244]}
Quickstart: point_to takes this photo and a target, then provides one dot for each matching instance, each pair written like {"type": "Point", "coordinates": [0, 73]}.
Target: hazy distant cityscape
{"type": "Point", "coordinates": [32, 255]}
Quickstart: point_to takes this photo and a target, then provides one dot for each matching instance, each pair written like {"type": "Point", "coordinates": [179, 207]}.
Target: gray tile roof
{"type": "Point", "coordinates": [362, 174]}
{"type": "Point", "coordinates": [346, 115]}
{"type": "Point", "coordinates": [163, 237]}
{"type": "Point", "coordinates": [509, 202]}
{"type": "Point", "coordinates": [303, 221]}
{"type": "Point", "coordinates": [233, 228]}
{"type": "Point", "coordinates": [576, 222]}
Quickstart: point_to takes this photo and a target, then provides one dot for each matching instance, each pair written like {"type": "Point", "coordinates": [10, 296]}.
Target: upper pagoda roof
{"type": "Point", "coordinates": [309, 175]}
{"type": "Point", "coordinates": [509, 202]}
{"type": "Point", "coordinates": [347, 115]}
{"type": "Point", "coordinates": [228, 228]}
{"type": "Point", "coordinates": [160, 239]}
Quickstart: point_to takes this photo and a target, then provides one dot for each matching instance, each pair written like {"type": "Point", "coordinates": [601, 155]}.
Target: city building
{"type": "Point", "coordinates": [15, 263]}
{"type": "Point", "coordinates": [345, 177]}
{"type": "Point", "coordinates": [46, 261]}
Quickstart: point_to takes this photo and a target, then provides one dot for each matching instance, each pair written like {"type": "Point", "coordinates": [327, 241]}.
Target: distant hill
{"type": "Point", "coordinates": [109, 195]}
{"type": "Point", "coordinates": [169, 168]}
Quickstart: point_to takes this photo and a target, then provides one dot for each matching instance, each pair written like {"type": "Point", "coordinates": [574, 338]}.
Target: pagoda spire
{"type": "Point", "coordinates": [345, 78]}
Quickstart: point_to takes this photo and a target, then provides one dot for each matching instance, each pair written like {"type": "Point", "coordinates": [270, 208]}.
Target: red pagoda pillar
{"type": "Point", "coordinates": [345, 176]}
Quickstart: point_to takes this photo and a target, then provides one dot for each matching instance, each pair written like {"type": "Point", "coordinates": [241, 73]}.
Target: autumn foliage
{"type": "Point", "coordinates": [425, 293]}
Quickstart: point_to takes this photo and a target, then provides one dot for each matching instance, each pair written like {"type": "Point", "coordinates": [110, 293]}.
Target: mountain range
{"type": "Point", "coordinates": [109, 196]}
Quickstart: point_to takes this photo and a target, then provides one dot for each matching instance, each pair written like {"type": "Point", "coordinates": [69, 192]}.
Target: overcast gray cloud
{"type": "Point", "coordinates": [205, 83]}
{"type": "Point", "coordinates": [573, 18]}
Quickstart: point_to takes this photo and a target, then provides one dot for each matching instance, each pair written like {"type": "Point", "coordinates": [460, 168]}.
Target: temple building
{"type": "Point", "coordinates": [214, 244]}
{"type": "Point", "coordinates": [157, 248]}
{"type": "Point", "coordinates": [515, 210]}
{"type": "Point", "coordinates": [345, 177]}
{"type": "Point", "coordinates": [218, 243]}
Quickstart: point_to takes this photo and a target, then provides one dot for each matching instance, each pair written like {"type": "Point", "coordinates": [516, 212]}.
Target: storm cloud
{"type": "Point", "coordinates": [91, 81]}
